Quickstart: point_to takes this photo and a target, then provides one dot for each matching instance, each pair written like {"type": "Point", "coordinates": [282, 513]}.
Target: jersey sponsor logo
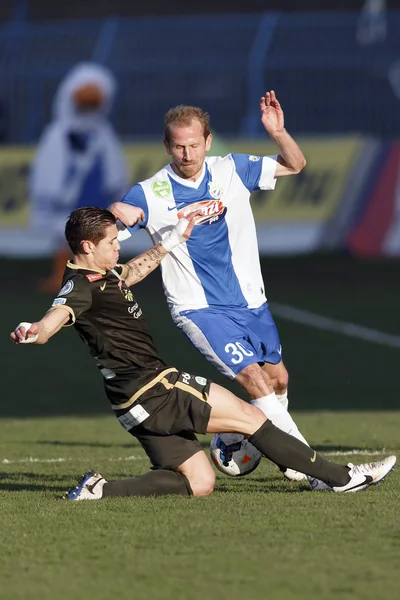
{"type": "Point", "coordinates": [212, 211]}
{"type": "Point", "coordinates": [162, 189]}
{"type": "Point", "coordinates": [135, 311]}
{"type": "Point", "coordinates": [67, 288]}
{"type": "Point", "coordinates": [215, 190]}
{"type": "Point", "coordinates": [201, 380]}
{"type": "Point", "coordinates": [94, 277]}
{"type": "Point", "coordinates": [59, 301]}
{"type": "Point", "coordinates": [253, 158]}
{"type": "Point", "coordinates": [103, 286]}
{"type": "Point", "coordinates": [176, 206]}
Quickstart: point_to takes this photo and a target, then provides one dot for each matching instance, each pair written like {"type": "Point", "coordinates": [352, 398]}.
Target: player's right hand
{"type": "Point", "coordinates": [25, 333]}
{"type": "Point", "coordinates": [128, 215]}
{"type": "Point", "coordinates": [191, 219]}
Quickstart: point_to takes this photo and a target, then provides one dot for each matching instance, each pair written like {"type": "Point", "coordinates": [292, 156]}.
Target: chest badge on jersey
{"type": "Point", "coordinates": [126, 292]}
{"type": "Point", "coordinates": [212, 211]}
{"type": "Point", "coordinates": [216, 191]}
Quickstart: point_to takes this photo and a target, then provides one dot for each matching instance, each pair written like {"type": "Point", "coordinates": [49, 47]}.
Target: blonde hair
{"type": "Point", "coordinates": [182, 116]}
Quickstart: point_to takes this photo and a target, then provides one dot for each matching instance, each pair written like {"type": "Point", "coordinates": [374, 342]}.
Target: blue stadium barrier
{"type": "Point", "coordinates": [327, 81]}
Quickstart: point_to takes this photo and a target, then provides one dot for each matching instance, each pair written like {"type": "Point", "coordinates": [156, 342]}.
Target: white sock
{"type": "Point", "coordinates": [283, 399]}
{"type": "Point", "coordinates": [273, 409]}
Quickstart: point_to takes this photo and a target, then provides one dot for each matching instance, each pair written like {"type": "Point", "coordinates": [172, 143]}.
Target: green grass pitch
{"type": "Point", "coordinates": [256, 537]}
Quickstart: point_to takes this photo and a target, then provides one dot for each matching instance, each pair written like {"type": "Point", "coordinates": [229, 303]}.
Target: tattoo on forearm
{"type": "Point", "coordinates": [156, 254]}
{"type": "Point", "coordinates": [143, 265]}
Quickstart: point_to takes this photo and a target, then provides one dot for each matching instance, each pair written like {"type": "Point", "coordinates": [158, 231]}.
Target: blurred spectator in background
{"type": "Point", "coordinates": [79, 160]}
{"type": "Point", "coordinates": [372, 24]}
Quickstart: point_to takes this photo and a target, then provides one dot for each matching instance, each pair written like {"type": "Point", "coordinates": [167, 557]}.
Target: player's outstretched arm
{"type": "Point", "coordinates": [144, 264]}
{"type": "Point", "coordinates": [41, 331]}
{"type": "Point", "coordinates": [291, 159]}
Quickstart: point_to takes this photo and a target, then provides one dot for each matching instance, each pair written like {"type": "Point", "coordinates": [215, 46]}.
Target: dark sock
{"type": "Point", "coordinates": [154, 483]}
{"type": "Point", "coordinates": [284, 449]}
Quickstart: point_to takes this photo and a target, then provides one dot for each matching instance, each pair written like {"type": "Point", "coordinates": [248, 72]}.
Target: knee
{"type": "Point", "coordinates": [204, 485]}
{"type": "Point", "coordinates": [281, 383]}
{"type": "Point", "coordinates": [254, 381]}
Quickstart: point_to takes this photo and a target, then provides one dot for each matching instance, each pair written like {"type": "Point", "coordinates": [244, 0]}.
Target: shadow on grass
{"type": "Point", "coordinates": [262, 486]}
{"type": "Point", "coordinates": [83, 444]}
{"type": "Point", "coordinates": [16, 482]}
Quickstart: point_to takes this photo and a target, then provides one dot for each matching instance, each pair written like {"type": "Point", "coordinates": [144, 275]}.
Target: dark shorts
{"type": "Point", "coordinates": [165, 416]}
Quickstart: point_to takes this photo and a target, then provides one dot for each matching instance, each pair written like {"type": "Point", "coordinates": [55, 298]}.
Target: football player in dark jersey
{"type": "Point", "coordinates": [162, 407]}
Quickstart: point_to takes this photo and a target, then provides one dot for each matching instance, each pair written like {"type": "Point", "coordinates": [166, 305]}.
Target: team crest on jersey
{"type": "Point", "coordinates": [254, 158]}
{"type": "Point", "coordinates": [215, 190]}
{"type": "Point", "coordinates": [162, 189]}
{"type": "Point", "coordinates": [67, 288]}
{"type": "Point", "coordinates": [126, 292]}
{"type": "Point", "coordinates": [212, 212]}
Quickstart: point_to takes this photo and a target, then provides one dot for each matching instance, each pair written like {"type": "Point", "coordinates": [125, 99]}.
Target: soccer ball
{"type": "Point", "coordinates": [233, 455]}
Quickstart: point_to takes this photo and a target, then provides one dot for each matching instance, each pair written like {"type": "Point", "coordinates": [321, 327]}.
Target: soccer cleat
{"type": "Point", "coordinates": [293, 475]}
{"type": "Point", "coordinates": [316, 484]}
{"type": "Point", "coordinates": [319, 486]}
{"type": "Point", "coordinates": [362, 476]}
{"type": "Point", "coordinates": [90, 487]}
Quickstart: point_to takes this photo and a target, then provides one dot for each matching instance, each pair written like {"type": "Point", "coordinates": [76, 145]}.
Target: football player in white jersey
{"type": "Point", "coordinates": [213, 282]}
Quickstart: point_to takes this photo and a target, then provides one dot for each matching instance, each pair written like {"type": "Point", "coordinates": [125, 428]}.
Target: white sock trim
{"type": "Point", "coordinates": [283, 399]}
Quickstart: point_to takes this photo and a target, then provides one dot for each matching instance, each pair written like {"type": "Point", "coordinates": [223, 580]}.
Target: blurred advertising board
{"type": "Point", "coordinates": [376, 229]}
{"type": "Point", "coordinates": [14, 203]}
{"type": "Point", "coordinates": [291, 219]}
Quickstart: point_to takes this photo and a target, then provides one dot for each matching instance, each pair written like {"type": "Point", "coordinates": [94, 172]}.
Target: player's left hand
{"type": "Point", "coordinates": [271, 113]}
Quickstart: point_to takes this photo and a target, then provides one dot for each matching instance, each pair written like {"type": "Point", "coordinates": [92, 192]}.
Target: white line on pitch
{"type": "Point", "coordinates": [354, 452]}
{"type": "Point", "coordinates": [30, 459]}
{"type": "Point", "coordinates": [305, 317]}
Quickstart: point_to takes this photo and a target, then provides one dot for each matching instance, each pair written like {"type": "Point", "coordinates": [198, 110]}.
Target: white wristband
{"type": "Point", "coordinates": [175, 237]}
{"type": "Point", "coordinates": [27, 326]}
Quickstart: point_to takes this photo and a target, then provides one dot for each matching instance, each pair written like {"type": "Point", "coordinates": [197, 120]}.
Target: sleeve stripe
{"type": "Point", "coordinates": [268, 179]}
{"type": "Point", "coordinates": [124, 271]}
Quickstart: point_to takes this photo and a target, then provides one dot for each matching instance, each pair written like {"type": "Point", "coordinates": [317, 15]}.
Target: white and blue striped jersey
{"type": "Point", "coordinates": [219, 265]}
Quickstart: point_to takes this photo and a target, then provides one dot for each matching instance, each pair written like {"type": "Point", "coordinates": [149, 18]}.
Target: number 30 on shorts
{"type": "Point", "coordinates": [237, 350]}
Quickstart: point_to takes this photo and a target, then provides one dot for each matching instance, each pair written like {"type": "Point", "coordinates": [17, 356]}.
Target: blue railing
{"type": "Point", "coordinates": [327, 82]}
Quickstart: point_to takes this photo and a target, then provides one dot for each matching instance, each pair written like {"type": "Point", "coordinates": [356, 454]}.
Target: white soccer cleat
{"type": "Point", "coordinates": [362, 476]}
{"type": "Point", "coordinates": [316, 484]}
{"type": "Point", "coordinates": [293, 475]}
{"type": "Point", "coordinates": [90, 487]}
{"type": "Point", "coordinates": [319, 486]}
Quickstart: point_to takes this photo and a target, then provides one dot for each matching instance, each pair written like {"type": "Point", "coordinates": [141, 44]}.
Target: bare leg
{"type": "Point", "coordinates": [200, 474]}
{"type": "Point", "coordinates": [230, 414]}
